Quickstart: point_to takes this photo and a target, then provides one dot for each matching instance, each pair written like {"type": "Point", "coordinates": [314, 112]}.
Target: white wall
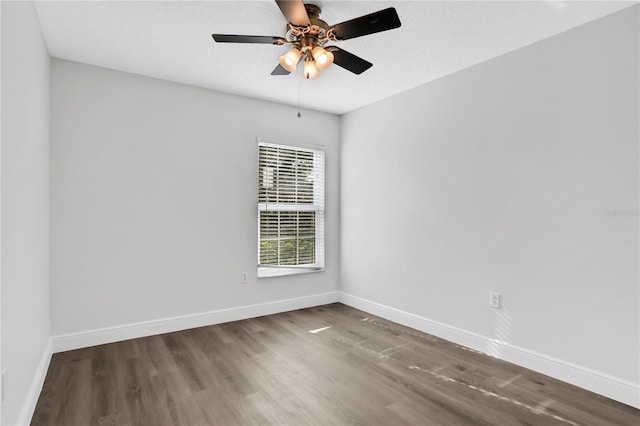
{"type": "Point", "coordinates": [154, 198]}
{"type": "Point", "coordinates": [25, 205]}
{"type": "Point", "coordinates": [500, 178]}
{"type": "Point", "coordinates": [1, 380]}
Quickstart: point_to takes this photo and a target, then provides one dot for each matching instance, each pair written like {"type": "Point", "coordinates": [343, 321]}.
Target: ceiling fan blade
{"type": "Point", "coordinates": [234, 38]}
{"type": "Point", "coordinates": [279, 71]}
{"type": "Point", "coordinates": [382, 20]}
{"type": "Point", "coordinates": [294, 11]}
{"type": "Point", "coordinates": [349, 61]}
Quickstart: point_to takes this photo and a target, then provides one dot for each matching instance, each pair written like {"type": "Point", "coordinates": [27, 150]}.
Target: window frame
{"type": "Point", "coordinates": [318, 206]}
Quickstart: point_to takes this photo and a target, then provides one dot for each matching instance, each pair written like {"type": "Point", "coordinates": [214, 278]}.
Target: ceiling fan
{"type": "Point", "coordinates": [308, 35]}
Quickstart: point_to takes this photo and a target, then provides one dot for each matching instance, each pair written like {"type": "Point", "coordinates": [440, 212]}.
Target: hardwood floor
{"type": "Point", "coordinates": [285, 369]}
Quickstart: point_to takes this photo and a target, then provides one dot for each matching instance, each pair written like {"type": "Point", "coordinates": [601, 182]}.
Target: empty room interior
{"type": "Point", "coordinates": [329, 212]}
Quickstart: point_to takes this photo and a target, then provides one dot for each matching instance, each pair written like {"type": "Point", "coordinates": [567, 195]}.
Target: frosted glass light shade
{"type": "Point", "coordinates": [310, 69]}
{"type": "Point", "coordinates": [323, 57]}
{"type": "Point", "coordinates": [290, 59]}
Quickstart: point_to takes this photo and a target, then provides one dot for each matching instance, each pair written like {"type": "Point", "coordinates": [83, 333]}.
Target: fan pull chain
{"type": "Point", "coordinates": [299, 115]}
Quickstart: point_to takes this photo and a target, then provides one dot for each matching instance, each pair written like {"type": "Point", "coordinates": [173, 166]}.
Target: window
{"type": "Point", "coordinates": [290, 209]}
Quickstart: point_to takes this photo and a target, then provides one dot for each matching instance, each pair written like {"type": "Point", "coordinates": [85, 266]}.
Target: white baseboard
{"type": "Point", "coordinates": [29, 406]}
{"type": "Point", "coordinates": [594, 381]}
{"type": "Point", "coordinates": [66, 342]}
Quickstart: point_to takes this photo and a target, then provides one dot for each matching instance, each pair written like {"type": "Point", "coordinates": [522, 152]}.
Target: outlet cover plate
{"type": "Point", "coordinates": [494, 300]}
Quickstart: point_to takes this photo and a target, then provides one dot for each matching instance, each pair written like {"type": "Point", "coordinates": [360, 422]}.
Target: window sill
{"type": "Point", "coordinates": [266, 272]}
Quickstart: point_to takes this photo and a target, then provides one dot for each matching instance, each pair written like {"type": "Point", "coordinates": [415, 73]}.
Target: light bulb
{"type": "Point", "coordinates": [290, 59]}
{"type": "Point", "coordinates": [323, 57]}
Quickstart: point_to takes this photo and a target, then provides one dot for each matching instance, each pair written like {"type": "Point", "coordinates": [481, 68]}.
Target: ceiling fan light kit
{"type": "Point", "coordinates": [308, 34]}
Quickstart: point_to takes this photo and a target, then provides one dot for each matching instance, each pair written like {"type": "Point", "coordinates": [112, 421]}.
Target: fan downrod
{"type": "Point", "coordinates": [312, 10]}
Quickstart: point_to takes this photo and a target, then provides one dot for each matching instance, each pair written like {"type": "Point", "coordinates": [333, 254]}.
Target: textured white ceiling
{"type": "Point", "coordinates": [172, 40]}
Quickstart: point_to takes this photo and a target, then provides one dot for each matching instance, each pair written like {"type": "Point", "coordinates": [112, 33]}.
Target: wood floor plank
{"type": "Point", "coordinates": [327, 365]}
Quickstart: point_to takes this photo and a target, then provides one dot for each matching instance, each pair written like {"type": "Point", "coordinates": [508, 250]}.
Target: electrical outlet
{"type": "Point", "coordinates": [3, 386]}
{"type": "Point", "coordinates": [244, 277]}
{"type": "Point", "coordinates": [494, 300]}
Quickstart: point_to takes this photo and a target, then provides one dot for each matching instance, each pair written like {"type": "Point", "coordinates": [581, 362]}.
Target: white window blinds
{"type": "Point", "coordinates": [290, 208]}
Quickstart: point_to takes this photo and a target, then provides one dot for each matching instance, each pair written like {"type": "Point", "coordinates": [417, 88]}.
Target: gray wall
{"type": "Point", "coordinates": [25, 202]}
{"type": "Point", "coordinates": [518, 175]}
{"type": "Point", "coordinates": [154, 192]}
